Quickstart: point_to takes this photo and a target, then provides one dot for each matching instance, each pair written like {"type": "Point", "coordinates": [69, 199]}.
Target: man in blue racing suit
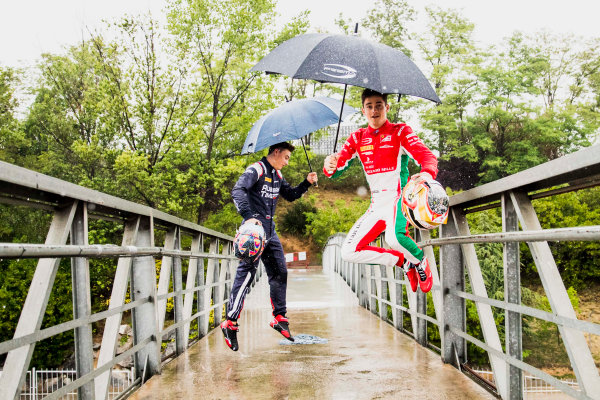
{"type": "Point", "coordinates": [255, 196]}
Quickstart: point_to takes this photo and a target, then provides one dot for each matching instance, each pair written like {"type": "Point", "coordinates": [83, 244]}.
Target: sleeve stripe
{"type": "Point", "coordinates": [257, 167]}
{"type": "Point", "coordinates": [347, 163]}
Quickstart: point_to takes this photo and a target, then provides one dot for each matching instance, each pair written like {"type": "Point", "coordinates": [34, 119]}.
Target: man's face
{"type": "Point", "coordinates": [375, 109]}
{"type": "Point", "coordinates": [281, 158]}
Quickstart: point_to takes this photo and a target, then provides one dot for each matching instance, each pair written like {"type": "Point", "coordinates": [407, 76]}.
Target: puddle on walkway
{"type": "Point", "coordinates": [304, 339]}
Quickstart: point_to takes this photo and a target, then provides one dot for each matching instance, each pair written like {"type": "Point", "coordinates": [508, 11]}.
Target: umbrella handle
{"type": "Point", "coordinates": [315, 184]}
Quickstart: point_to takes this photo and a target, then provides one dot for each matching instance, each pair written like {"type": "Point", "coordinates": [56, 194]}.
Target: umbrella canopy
{"type": "Point", "coordinates": [349, 60]}
{"type": "Point", "coordinates": [294, 120]}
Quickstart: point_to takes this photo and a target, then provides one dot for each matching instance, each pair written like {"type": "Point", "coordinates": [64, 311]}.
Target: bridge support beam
{"type": "Point", "coordinates": [512, 294]}
{"type": "Point", "coordinates": [32, 314]}
{"type": "Point", "coordinates": [110, 336]}
{"type": "Point", "coordinates": [454, 312]}
{"type": "Point", "coordinates": [575, 343]}
{"type": "Point", "coordinates": [82, 303]}
{"type": "Point", "coordinates": [145, 324]}
{"type": "Point", "coordinates": [484, 311]}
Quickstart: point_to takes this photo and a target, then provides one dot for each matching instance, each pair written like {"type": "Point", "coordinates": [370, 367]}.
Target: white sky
{"type": "Point", "coordinates": [31, 27]}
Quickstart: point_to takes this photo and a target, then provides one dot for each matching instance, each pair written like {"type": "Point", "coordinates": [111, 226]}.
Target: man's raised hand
{"type": "Point", "coordinates": [422, 176]}
{"type": "Point", "coordinates": [330, 163]}
{"type": "Point", "coordinates": [312, 178]}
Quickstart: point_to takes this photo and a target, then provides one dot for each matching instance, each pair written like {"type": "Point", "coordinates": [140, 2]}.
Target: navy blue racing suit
{"type": "Point", "coordinates": [255, 196]}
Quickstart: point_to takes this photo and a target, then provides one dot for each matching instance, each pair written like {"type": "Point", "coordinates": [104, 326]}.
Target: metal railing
{"type": "Point", "coordinates": [532, 385]}
{"type": "Point", "coordinates": [379, 287]}
{"type": "Point", "coordinates": [41, 383]}
{"type": "Point", "coordinates": [207, 267]}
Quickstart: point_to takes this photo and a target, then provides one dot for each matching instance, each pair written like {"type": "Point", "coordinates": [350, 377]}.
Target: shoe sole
{"type": "Point", "coordinates": [228, 341]}
{"type": "Point", "coordinates": [283, 332]}
{"type": "Point", "coordinates": [415, 277]}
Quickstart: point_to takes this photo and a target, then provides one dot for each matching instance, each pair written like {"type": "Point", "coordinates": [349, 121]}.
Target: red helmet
{"type": "Point", "coordinates": [425, 204]}
{"type": "Point", "coordinates": [249, 242]}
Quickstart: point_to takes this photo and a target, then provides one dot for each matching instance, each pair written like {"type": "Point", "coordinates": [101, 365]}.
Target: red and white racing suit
{"type": "Point", "coordinates": [384, 155]}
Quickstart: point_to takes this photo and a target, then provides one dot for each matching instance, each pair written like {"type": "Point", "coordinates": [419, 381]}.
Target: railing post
{"type": "Point", "coordinates": [82, 302]}
{"type": "Point", "coordinates": [399, 314]}
{"type": "Point", "coordinates": [143, 284]}
{"type": "Point", "coordinates": [166, 269]}
{"type": "Point", "coordinates": [355, 278]}
{"type": "Point", "coordinates": [378, 288]}
{"type": "Point", "coordinates": [192, 276]}
{"type": "Point", "coordinates": [220, 292]}
{"type": "Point", "coordinates": [512, 294]}
{"type": "Point", "coordinates": [454, 314]}
{"type": "Point", "coordinates": [364, 290]}
{"type": "Point", "coordinates": [372, 288]}
{"type": "Point", "coordinates": [207, 291]}
{"type": "Point", "coordinates": [180, 340]}
{"type": "Point", "coordinates": [421, 333]}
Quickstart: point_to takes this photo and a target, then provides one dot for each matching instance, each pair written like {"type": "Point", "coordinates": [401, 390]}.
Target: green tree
{"type": "Point", "coordinates": [448, 48]}
{"type": "Point", "coordinates": [12, 140]}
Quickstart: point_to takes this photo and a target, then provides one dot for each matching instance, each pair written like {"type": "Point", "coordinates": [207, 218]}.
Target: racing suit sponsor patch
{"type": "Point", "coordinates": [365, 148]}
{"type": "Point", "coordinates": [269, 192]}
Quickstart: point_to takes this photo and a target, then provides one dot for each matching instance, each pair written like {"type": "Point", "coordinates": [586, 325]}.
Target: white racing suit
{"type": "Point", "coordinates": [384, 154]}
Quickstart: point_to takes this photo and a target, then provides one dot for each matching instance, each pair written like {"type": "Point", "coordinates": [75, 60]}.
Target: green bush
{"type": "Point", "coordinates": [226, 220]}
{"type": "Point", "coordinates": [294, 220]}
{"type": "Point", "coordinates": [330, 220]}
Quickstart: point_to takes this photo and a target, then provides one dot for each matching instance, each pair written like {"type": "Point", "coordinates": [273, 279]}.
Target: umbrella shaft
{"type": "Point", "coordinates": [340, 120]}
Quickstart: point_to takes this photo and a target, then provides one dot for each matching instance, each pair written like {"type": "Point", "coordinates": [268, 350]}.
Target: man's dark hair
{"type": "Point", "coordinates": [282, 146]}
{"type": "Point", "coordinates": [369, 92]}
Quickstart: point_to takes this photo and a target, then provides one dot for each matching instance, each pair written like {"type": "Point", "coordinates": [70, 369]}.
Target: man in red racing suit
{"type": "Point", "coordinates": [383, 149]}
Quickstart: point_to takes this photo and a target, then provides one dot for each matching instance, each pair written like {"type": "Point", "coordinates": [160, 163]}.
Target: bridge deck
{"type": "Point", "coordinates": [364, 357]}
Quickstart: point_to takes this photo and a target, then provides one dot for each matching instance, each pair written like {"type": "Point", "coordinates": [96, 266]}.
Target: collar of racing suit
{"type": "Point", "coordinates": [268, 166]}
{"type": "Point", "coordinates": [385, 127]}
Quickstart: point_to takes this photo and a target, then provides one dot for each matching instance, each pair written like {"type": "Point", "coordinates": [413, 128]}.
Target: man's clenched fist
{"type": "Point", "coordinates": [330, 163]}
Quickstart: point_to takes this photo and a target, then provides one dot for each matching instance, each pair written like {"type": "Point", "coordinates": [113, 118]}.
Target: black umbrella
{"type": "Point", "coordinates": [350, 60]}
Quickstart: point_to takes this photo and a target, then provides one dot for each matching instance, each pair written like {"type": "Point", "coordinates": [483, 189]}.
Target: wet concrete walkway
{"type": "Point", "coordinates": [364, 357]}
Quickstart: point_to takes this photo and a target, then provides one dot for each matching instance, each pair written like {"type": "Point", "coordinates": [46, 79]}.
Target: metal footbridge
{"type": "Point", "coordinates": [376, 339]}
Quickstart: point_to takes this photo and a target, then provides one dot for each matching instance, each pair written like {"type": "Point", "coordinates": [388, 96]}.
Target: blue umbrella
{"type": "Point", "coordinates": [294, 120]}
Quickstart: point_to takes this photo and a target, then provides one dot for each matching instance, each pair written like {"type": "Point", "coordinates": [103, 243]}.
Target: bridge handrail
{"type": "Point", "coordinates": [380, 287]}
{"type": "Point", "coordinates": [24, 186]}
{"type": "Point", "coordinates": [206, 290]}
{"type": "Point", "coordinates": [580, 169]}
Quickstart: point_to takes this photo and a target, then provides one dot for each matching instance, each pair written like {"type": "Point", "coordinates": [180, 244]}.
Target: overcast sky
{"type": "Point", "coordinates": [31, 27]}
